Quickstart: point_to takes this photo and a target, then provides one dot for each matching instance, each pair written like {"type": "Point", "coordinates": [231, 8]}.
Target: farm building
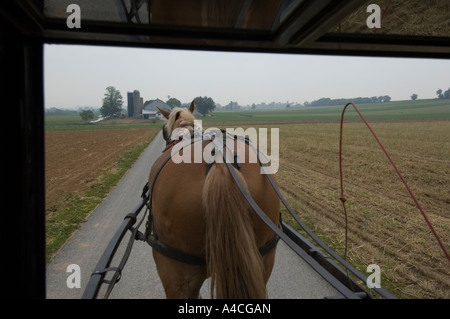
{"type": "Point", "coordinates": [135, 104]}
{"type": "Point", "coordinates": [150, 111]}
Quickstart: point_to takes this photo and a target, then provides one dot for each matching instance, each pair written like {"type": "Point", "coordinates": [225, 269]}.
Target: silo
{"type": "Point", "coordinates": [137, 104]}
{"type": "Point", "coordinates": [130, 107]}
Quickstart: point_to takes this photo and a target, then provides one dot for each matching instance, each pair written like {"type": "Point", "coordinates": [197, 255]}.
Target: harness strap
{"type": "Point", "coordinates": [151, 237]}
{"type": "Point", "coordinates": [174, 253]}
{"type": "Point", "coordinates": [346, 292]}
{"type": "Point", "coordinates": [191, 259]}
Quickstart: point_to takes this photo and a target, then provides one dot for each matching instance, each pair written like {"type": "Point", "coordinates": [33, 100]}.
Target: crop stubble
{"type": "Point", "coordinates": [384, 226]}
{"type": "Point", "coordinates": [75, 158]}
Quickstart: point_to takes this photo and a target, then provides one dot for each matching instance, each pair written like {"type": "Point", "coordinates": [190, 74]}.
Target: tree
{"type": "Point", "coordinates": [173, 102]}
{"type": "Point", "coordinates": [87, 115]}
{"type": "Point", "coordinates": [204, 104]}
{"type": "Point", "coordinates": [232, 106]}
{"type": "Point", "coordinates": [414, 97]}
{"type": "Point", "coordinates": [112, 102]}
{"type": "Point", "coordinates": [445, 95]}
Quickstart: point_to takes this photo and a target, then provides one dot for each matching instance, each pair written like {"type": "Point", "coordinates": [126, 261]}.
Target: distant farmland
{"type": "Point", "coordinates": [403, 110]}
{"type": "Point", "coordinates": [385, 228]}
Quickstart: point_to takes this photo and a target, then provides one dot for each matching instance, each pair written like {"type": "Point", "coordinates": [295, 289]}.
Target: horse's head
{"type": "Point", "coordinates": [178, 120]}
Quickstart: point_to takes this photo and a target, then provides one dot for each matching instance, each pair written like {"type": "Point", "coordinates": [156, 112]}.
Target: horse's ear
{"type": "Point", "coordinates": [164, 113]}
{"type": "Point", "coordinates": [191, 108]}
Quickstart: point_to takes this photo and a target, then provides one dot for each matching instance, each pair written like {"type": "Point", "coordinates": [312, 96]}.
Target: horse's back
{"type": "Point", "coordinates": [177, 200]}
{"type": "Point", "coordinates": [176, 206]}
{"type": "Point", "coordinates": [180, 217]}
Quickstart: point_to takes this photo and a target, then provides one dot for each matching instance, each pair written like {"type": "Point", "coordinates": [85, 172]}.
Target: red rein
{"type": "Point", "coordinates": [342, 198]}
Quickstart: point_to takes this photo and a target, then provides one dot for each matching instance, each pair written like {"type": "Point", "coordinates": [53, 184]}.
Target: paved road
{"type": "Point", "coordinates": [291, 276]}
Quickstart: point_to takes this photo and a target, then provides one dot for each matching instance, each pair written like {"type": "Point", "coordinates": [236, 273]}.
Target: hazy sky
{"type": "Point", "coordinates": [78, 75]}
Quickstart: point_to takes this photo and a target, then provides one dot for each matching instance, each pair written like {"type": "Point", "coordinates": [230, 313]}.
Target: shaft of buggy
{"type": "Point", "coordinates": [103, 265]}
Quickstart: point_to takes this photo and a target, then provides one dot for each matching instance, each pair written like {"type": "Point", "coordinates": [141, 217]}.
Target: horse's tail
{"type": "Point", "coordinates": [233, 258]}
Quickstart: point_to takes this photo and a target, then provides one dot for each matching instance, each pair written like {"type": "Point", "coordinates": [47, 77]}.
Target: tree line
{"type": "Point", "coordinates": [443, 95]}
{"type": "Point", "coordinates": [113, 101]}
{"type": "Point", "coordinates": [203, 104]}
{"type": "Point", "coordinates": [440, 95]}
{"type": "Point", "coordinates": [359, 100]}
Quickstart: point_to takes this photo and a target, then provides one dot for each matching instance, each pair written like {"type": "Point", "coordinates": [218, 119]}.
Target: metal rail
{"type": "Point", "coordinates": [103, 266]}
{"type": "Point", "coordinates": [319, 261]}
{"type": "Point", "coordinates": [332, 268]}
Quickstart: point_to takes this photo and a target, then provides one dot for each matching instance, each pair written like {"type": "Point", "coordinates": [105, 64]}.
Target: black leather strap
{"type": "Point", "coordinates": [174, 253]}
{"type": "Point", "coordinates": [191, 259]}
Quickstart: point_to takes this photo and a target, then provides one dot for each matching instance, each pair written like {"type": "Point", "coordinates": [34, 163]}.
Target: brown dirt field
{"type": "Point", "coordinates": [385, 227]}
{"type": "Point", "coordinates": [412, 17]}
{"type": "Point", "coordinates": [75, 158]}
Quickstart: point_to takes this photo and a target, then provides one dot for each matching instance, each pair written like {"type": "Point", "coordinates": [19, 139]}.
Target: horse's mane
{"type": "Point", "coordinates": [177, 113]}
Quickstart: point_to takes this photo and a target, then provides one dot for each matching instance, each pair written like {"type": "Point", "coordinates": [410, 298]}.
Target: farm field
{"type": "Point", "coordinates": [81, 166]}
{"type": "Point", "coordinates": [401, 110]}
{"type": "Point", "coordinates": [76, 158]}
{"type": "Point", "coordinates": [384, 226]}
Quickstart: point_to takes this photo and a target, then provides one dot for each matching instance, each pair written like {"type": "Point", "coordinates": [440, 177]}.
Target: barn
{"type": "Point", "coordinates": [151, 111]}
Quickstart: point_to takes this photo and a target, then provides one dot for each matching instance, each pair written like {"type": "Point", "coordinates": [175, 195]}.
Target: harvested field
{"type": "Point", "coordinates": [384, 226]}
{"type": "Point", "coordinates": [75, 158]}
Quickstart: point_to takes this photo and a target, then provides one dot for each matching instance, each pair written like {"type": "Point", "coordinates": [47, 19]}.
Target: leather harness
{"type": "Point", "coordinates": [150, 235]}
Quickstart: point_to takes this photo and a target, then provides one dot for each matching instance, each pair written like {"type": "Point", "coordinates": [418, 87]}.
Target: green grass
{"type": "Point", "coordinates": [74, 122]}
{"type": "Point", "coordinates": [402, 110]}
{"type": "Point", "coordinates": [63, 120]}
{"type": "Point", "coordinates": [67, 216]}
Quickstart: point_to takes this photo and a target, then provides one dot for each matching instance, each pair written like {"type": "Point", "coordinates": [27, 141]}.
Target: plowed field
{"type": "Point", "coordinates": [75, 158]}
{"type": "Point", "coordinates": [384, 226]}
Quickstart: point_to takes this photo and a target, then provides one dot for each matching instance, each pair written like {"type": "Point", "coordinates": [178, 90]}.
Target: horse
{"type": "Point", "coordinates": [198, 211]}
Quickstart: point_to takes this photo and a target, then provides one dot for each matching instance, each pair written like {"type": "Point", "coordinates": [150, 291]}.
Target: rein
{"type": "Point", "coordinates": [150, 235]}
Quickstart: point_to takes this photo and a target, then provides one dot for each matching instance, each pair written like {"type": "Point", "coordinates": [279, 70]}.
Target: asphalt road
{"type": "Point", "coordinates": [291, 277]}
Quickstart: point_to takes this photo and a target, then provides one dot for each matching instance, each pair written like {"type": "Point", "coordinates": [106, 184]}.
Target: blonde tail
{"type": "Point", "coordinates": [233, 258]}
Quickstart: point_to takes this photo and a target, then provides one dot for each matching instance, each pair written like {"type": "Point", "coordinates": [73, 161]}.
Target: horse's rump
{"type": "Point", "coordinates": [200, 211]}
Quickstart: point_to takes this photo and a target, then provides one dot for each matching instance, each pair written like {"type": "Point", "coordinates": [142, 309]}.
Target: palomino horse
{"type": "Point", "coordinates": [197, 210]}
